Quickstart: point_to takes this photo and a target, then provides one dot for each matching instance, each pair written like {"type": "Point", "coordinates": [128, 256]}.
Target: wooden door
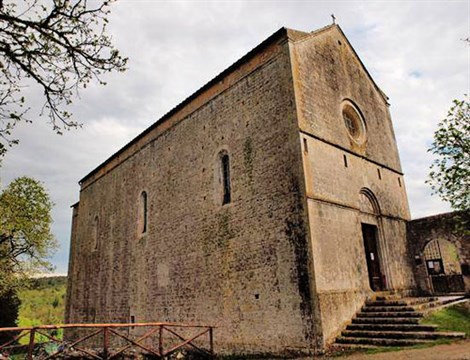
{"type": "Point", "coordinates": [369, 234]}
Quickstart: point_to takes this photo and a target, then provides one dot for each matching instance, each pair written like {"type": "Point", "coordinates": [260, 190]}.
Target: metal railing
{"type": "Point", "coordinates": [154, 339]}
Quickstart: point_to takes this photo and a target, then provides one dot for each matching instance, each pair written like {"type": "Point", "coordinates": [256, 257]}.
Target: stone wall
{"type": "Point", "coordinates": [241, 266]}
{"type": "Point", "coordinates": [442, 228]}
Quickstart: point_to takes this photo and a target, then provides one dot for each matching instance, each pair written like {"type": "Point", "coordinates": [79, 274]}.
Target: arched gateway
{"type": "Point", "coordinates": [443, 267]}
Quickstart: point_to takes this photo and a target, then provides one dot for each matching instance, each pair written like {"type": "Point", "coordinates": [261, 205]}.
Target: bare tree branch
{"type": "Point", "coordinates": [60, 47]}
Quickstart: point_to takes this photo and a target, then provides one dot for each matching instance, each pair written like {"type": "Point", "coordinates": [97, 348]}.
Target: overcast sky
{"type": "Point", "coordinates": [413, 50]}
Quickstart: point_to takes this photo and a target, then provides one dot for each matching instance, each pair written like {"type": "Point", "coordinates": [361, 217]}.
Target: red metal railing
{"type": "Point", "coordinates": [159, 340]}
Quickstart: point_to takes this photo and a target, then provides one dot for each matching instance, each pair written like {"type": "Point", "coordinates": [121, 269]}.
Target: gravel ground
{"type": "Point", "coordinates": [456, 351]}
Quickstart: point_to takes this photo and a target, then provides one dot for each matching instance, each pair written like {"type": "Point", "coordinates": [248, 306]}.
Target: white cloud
{"type": "Point", "coordinates": [412, 49]}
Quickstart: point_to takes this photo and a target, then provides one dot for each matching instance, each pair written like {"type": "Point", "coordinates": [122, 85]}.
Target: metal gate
{"type": "Point", "coordinates": [445, 284]}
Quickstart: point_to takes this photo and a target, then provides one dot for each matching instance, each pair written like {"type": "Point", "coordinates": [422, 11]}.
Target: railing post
{"type": "Point", "coordinates": [105, 343]}
{"type": "Point", "coordinates": [160, 340]}
{"type": "Point", "coordinates": [32, 335]}
{"type": "Point", "coordinates": [211, 340]}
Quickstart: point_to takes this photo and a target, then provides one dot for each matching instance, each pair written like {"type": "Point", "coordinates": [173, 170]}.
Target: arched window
{"type": "Point", "coordinates": [143, 212]}
{"type": "Point", "coordinates": [225, 172]}
{"type": "Point", "coordinates": [96, 234]}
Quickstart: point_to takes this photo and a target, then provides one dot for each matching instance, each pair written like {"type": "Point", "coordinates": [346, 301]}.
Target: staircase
{"type": "Point", "coordinates": [394, 321]}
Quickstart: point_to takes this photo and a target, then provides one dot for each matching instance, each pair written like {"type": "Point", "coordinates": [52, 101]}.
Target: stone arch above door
{"type": "Point", "coordinates": [368, 202]}
{"type": "Point", "coordinates": [369, 207]}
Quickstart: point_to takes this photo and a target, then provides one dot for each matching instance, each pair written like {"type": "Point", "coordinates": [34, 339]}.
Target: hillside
{"type": "Point", "coordinates": [43, 303]}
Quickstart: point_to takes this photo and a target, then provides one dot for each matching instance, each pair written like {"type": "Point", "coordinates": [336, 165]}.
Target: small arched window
{"type": "Point", "coordinates": [96, 232]}
{"type": "Point", "coordinates": [143, 212]}
{"type": "Point", "coordinates": [225, 172]}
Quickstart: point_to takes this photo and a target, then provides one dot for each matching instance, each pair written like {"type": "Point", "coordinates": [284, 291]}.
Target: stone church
{"type": "Point", "coordinates": [270, 203]}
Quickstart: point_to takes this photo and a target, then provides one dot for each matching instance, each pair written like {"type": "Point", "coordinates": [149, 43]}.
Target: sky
{"type": "Point", "coordinates": [413, 50]}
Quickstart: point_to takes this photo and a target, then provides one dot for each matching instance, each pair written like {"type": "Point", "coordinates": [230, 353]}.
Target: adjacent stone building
{"type": "Point", "coordinates": [441, 249]}
{"type": "Point", "coordinates": [270, 203]}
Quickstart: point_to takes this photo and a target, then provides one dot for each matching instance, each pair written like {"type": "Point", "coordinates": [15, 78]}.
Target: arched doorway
{"type": "Point", "coordinates": [443, 266]}
{"type": "Point", "coordinates": [370, 226]}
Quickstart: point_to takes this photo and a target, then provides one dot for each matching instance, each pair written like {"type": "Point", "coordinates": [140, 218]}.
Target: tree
{"type": "Point", "coordinates": [450, 171]}
{"type": "Point", "coordinates": [58, 46]}
{"type": "Point", "coordinates": [25, 235]}
{"type": "Point", "coordinates": [8, 314]}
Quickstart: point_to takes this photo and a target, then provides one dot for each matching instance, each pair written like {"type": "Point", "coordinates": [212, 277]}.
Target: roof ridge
{"type": "Point", "coordinates": [310, 34]}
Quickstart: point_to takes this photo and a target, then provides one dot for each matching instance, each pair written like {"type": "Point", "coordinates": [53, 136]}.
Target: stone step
{"type": "Point", "coordinates": [392, 327]}
{"type": "Point", "coordinates": [419, 300]}
{"type": "Point", "coordinates": [427, 305]}
{"type": "Point", "coordinates": [380, 341]}
{"type": "Point", "coordinates": [402, 314]}
{"type": "Point", "coordinates": [343, 346]}
{"type": "Point", "coordinates": [405, 301]}
{"type": "Point", "coordinates": [435, 303]}
{"type": "Point", "coordinates": [392, 321]}
{"type": "Point", "coordinates": [422, 335]}
{"type": "Point", "coordinates": [387, 308]}
{"type": "Point", "coordinates": [385, 320]}
{"type": "Point", "coordinates": [387, 297]}
{"type": "Point", "coordinates": [386, 303]}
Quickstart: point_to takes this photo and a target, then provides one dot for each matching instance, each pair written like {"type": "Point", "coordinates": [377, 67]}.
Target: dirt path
{"type": "Point", "coordinates": [456, 351]}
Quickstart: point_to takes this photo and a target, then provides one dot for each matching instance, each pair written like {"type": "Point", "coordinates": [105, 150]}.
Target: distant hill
{"type": "Point", "coordinates": [47, 282]}
{"type": "Point", "coordinates": [43, 302]}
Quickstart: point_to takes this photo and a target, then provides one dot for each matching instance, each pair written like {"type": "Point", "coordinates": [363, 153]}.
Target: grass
{"type": "Point", "coordinates": [453, 318]}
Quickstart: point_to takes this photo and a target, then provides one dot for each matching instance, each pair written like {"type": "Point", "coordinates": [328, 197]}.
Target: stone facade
{"type": "Point", "coordinates": [282, 265]}
{"type": "Point", "coordinates": [438, 234]}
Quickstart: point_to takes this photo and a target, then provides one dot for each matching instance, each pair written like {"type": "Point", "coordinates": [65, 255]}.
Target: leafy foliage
{"type": "Point", "coordinates": [58, 46]}
{"type": "Point", "coordinates": [25, 235]}
{"type": "Point", "coordinates": [450, 171]}
{"type": "Point", "coordinates": [42, 303]}
{"type": "Point", "coordinates": [50, 282]}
